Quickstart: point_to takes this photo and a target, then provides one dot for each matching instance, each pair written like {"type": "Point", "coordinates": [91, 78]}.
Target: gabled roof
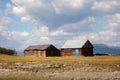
{"type": "Point", "coordinates": [74, 43]}
{"type": "Point", "coordinates": [39, 47]}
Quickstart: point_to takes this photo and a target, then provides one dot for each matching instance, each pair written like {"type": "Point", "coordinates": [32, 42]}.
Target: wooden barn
{"type": "Point", "coordinates": [77, 48]}
{"type": "Point", "coordinates": [41, 50]}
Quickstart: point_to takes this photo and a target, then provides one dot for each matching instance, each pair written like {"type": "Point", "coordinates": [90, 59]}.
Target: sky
{"type": "Point", "coordinates": [34, 22]}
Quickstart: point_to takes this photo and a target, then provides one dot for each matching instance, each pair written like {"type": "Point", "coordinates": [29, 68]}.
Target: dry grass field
{"type": "Point", "coordinates": [59, 68]}
{"type": "Point", "coordinates": [94, 59]}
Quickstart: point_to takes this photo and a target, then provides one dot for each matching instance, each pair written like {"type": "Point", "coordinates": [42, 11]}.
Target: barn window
{"type": "Point", "coordinates": [68, 50]}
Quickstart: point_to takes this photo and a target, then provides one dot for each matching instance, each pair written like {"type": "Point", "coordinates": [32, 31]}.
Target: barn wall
{"type": "Point", "coordinates": [84, 52]}
{"type": "Point", "coordinates": [40, 53]}
{"type": "Point", "coordinates": [36, 53]}
{"type": "Point", "coordinates": [87, 51]}
{"type": "Point", "coordinates": [66, 53]}
{"type": "Point", "coordinates": [80, 51]}
{"type": "Point", "coordinates": [69, 53]}
{"type": "Point", "coordinates": [25, 53]}
{"type": "Point", "coordinates": [30, 53]}
{"type": "Point", "coordinates": [52, 51]}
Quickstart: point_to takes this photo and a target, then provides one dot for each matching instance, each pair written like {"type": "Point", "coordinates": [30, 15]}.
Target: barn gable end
{"type": "Point", "coordinates": [87, 44]}
{"type": "Point", "coordinates": [83, 47]}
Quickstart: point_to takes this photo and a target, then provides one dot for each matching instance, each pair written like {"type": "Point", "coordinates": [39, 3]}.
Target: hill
{"type": "Point", "coordinates": [104, 49]}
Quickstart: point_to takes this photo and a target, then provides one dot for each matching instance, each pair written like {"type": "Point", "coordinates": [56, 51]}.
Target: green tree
{"type": "Point", "coordinates": [7, 51]}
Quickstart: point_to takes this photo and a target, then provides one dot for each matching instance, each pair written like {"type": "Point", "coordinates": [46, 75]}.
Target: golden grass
{"type": "Point", "coordinates": [94, 59]}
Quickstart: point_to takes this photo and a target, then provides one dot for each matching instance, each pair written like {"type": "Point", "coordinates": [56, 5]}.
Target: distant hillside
{"type": "Point", "coordinates": [104, 49]}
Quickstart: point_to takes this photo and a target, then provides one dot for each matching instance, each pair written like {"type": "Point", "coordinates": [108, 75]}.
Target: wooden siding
{"type": "Point", "coordinates": [82, 52]}
{"type": "Point", "coordinates": [87, 52]}
{"type": "Point", "coordinates": [34, 53]}
{"type": "Point", "coordinates": [52, 53]}
{"type": "Point", "coordinates": [70, 53]}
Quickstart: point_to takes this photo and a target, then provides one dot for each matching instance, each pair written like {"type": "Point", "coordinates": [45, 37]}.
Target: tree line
{"type": "Point", "coordinates": [7, 51]}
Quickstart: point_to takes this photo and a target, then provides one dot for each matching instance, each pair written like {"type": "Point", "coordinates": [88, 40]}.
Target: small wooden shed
{"type": "Point", "coordinates": [77, 48]}
{"type": "Point", "coordinates": [41, 50]}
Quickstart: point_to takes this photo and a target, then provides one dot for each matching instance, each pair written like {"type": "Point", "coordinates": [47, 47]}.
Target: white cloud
{"type": "Point", "coordinates": [113, 22]}
{"type": "Point", "coordinates": [5, 21]}
{"type": "Point", "coordinates": [114, 18]}
{"type": "Point", "coordinates": [106, 5]}
{"type": "Point", "coordinates": [25, 19]}
{"type": "Point", "coordinates": [8, 9]}
{"type": "Point", "coordinates": [31, 3]}
{"type": "Point", "coordinates": [84, 26]}
{"type": "Point", "coordinates": [113, 28]}
{"type": "Point", "coordinates": [22, 13]}
{"type": "Point", "coordinates": [22, 35]}
{"type": "Point", "coordinates": [27, 9]}
{"type": "Point", "coordinates": [44, 38]}
{"type": "Point", "coordinates": [59, 32]}
{"type": "Point", "coordinates": [67, 6]}
{"type": "Point", "coordinates": [38, 35]}
{"type": "Point", "coordinates": [10, 39]}
{"type": "Point", "coordinates": [19, 11]}
{"type": "Point", "coordinates": [43, 29]}
{"type": "Point", "coordinates": [53, 13]}
{"type": "Point", "coordinates": [55, 21]}
{"type": "Point", "coordinates": [25, 34]}
{"type": "Point", "coordinates": [111, 33]}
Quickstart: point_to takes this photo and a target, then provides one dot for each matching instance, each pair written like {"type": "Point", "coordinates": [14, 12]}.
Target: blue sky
{"type": "Point", "coordinates": [31, 22]}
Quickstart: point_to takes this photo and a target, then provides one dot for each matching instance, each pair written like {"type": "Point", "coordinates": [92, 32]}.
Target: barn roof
{"type": "Point", "coordinates": [74, 43]}
{"type": "Point", "coordinates": [40, 47]}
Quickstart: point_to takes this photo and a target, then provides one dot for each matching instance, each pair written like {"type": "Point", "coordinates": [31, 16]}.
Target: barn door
{"type": "Point", "coordinates": [76, 52]}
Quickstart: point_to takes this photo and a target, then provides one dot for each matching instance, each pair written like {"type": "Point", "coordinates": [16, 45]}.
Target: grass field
{"type": "Point", "coordinates": [59, 68]}
{"type": "Point", "coordinates": [94, 59]}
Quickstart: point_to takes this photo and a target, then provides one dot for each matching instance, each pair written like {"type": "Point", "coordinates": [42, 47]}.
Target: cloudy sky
{"type": "Point", "coordinates": [31, 22]}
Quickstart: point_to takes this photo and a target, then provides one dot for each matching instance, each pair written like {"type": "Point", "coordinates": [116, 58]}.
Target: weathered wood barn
{"type": "Point", "coordinates": [77, 48]}
{"type": "Point", "coordinates": [41, 50]}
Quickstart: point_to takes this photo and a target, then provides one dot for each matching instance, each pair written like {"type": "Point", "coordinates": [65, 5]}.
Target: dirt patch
{"type": "Point", "coordinates": [47, 70]}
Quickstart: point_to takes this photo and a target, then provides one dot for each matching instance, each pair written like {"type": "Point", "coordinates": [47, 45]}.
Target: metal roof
{"type": "Point", "coordinates": [74, 44]}
{"type": "Point", "coordinates": [39, 47]}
